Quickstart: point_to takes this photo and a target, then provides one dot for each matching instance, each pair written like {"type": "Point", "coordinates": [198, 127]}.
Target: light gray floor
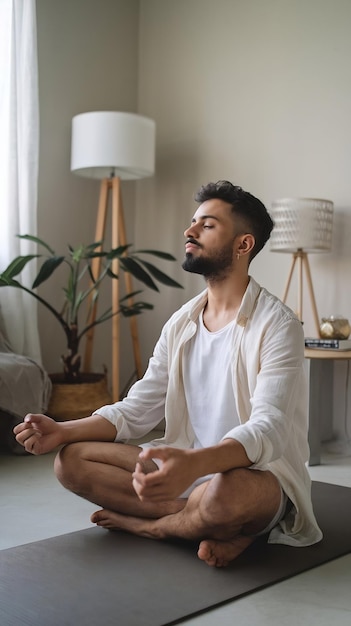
{"type": "Point", "coordinates": [34, 506]}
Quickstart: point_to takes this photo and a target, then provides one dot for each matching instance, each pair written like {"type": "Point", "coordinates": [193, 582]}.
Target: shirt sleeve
{"type": "Point", "coordinates": [281, 379]}
{"type": "Point", "coordinates": [144, 406]}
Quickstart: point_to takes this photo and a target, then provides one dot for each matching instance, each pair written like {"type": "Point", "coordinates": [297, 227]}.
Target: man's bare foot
{"type": "Point", "coordinates": [221, 553]}
{"type": "Point", "coordinates": [106, 519]}
{"type": "Point", "coordinates": [136, 525]}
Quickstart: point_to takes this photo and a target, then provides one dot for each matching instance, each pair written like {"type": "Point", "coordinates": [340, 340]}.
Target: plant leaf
{"type": "Point", "coordinates": [8, 282]}
{"type": "Point", "coordinates": [47, 269]}
{"type": "Point", "coordinates": [160, 276]}
{"type": "Point", "coordinates": [94, 245]}
{"type": "Point", "coordinates": [94, 254]}
{"type": "Point", "coordinates": [158, 253]}
{"type": "Point", "coordinates": [111, 274]}
{"type": "Point", "coordinates": [91, 274]}
{"type": "Point", "coordinates": [37, 240]}
{"type": "Point", "coordinates": [132, 266]}
{"type": "Point", "coordinates": [135, 309]}
{"type": "Point", "coordinates": [16, 266]}
{"type": "Point", "coordinates": [78, 253]}
{"type": "Point", "coordinates": [130, 295]}
{"type": "Point", "coordinates": [117, 252]}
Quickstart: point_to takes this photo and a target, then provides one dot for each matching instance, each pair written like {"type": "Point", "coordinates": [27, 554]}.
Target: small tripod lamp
{"type": "Point", "coordinates": [302, 226]}
{"type": "Point", "coordinates": [113, 146]}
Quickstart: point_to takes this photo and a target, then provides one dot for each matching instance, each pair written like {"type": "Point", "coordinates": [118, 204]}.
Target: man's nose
{"type": "Point", "coordinates": [190, 231]}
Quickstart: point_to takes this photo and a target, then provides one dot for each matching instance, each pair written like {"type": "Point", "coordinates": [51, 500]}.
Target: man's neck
{"type": "Point", "coordinates": [224, 300]}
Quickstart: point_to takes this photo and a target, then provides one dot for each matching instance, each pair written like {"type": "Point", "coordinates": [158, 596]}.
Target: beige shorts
{"type": "Point", "coordinates": [274, 521]}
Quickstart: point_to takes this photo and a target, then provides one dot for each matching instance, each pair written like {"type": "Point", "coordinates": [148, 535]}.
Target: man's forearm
{"type": "Point", "coordinates": [93, 428]}
{"type": "Point", "coordinates": [228, 454]}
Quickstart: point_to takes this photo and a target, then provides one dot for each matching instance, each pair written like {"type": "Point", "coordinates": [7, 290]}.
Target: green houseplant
{"type": "Point", "coordinates": [82, 287]}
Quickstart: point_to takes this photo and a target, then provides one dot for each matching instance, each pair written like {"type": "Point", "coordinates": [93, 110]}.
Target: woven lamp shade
{"type": "Point", "coordinates": [302, 224]}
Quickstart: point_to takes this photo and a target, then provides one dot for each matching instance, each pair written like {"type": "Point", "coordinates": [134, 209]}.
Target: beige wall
{"type": "Point", "coordinates": [88, 61]}
{"type": "Point", "coordinates": [259, 92]}
{"type": "Point", "coordinates": [256, 91]}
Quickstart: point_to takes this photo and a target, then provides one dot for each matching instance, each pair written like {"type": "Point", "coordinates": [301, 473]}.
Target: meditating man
{"type": "Point", "coordinates": [227, 374]}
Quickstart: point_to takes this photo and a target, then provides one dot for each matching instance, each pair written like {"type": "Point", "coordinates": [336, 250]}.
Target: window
{"type": "Point", "coordinates": [19, 151]}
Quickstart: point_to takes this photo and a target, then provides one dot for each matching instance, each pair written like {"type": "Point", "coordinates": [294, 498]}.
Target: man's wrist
{"type": "Point", "coordinates": [228, 454]}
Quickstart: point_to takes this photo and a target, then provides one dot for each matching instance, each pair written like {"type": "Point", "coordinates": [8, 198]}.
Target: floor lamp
{"type": "Point", "coordinates": [302, 226]}
{"type": "Point", "coordinates": [113, 146]}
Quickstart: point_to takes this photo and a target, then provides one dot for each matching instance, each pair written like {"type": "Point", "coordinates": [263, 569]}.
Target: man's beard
{"type": "Point", "coordinates": [212, 268]}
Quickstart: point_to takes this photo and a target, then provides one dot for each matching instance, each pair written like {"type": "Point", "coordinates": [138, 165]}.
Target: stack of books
{"type": "Point", "coordinates": [328, 344]}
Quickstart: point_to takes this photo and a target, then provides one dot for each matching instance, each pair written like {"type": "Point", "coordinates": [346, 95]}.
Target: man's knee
{"type": "Point", "coordinates": [67, 465]}
{"type": "Point", "coordinates": [76, 463]}
{"type": "Point", "coordinates": [240, 497]}
{"type": "Point", "coordinates": [222, 503]}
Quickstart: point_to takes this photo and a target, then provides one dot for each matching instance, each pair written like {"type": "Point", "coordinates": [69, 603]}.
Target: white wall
{"type": "Point", "coordinates": [258, 92]}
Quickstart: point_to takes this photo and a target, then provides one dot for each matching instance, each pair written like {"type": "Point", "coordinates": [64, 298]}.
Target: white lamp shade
{"type": "Point", "coordinates": [302, 224]}
{"type": "Point", "coordinates": [109, 143]}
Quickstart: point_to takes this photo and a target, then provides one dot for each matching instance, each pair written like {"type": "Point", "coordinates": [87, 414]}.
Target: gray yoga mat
{"type": "Point", "coordinates": [93, 577]}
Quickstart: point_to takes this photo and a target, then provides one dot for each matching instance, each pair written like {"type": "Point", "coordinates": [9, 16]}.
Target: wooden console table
{"type": "Point", "coordinates": [321, 394]}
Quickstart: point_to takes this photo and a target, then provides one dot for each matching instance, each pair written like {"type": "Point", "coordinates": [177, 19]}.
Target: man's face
{"type": "Point", "coordinates": [209, 246]}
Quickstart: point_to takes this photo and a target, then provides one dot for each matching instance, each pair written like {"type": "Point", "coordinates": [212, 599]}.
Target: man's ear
{"type": "Point", "coordinates": [245, 244]}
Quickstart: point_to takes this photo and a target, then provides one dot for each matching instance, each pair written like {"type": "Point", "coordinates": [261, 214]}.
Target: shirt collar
{"type": "Point", "coordinates": [247, 306]}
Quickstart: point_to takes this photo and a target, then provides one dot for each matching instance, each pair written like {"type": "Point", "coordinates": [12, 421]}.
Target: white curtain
{"type": "Point", "coordinates": [19, 152]}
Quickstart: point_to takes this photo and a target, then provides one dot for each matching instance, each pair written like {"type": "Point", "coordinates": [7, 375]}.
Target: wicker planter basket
{"type": "Point", "coordinates": [72, 401]}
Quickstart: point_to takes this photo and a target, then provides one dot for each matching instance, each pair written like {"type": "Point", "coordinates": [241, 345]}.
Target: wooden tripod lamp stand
{"type": "Point", "coordinates": [302, 226]}
{"type": "Point", "coordinates": [113, 146]}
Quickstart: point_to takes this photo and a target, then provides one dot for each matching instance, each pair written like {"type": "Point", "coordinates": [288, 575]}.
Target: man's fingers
{"type": "Point", "coordinates": [154, 453]}
{"type": "Point", "coordinates": [20, 427]}
{"type": "Point", "coordinates": [138, 473]}
{"type": "Point", "coordinates": [147, 492]}
{"type": "Point", "coordinates": [33, 418]}
{"type": "Point", "coordinates": [147, 482]}
{"type": "Point", "coordinates": [145, 479]}
{"type": "Point", "coordinates": [25, 434]}
{"type": "Point", "coordinates": [31, 421]}
{"type": "Point", "coordinates": [30, 445]}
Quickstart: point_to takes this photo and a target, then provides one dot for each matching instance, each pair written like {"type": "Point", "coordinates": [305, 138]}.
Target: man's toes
{"type": "Point", "coordinates": [205, 553]}
{"type": "Point", "coordinates": [95, 517]}
{"type": "Point", "coordinates": [98, 516]}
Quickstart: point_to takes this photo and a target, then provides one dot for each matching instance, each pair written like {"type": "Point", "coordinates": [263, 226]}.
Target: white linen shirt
{"type": "Point", "coordinates": [270, 389]}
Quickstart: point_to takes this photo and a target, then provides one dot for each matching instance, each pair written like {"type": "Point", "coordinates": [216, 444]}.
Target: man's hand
{"type": "Point", "coordinates": [180, 468]}
{"type": "Point", "coordinates": [38, 434]}
{"type": "Point", "coordinates": [177, 472]}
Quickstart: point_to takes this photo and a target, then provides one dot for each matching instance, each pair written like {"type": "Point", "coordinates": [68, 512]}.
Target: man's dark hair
{"type": "Point", "coordinates": [251, 210]}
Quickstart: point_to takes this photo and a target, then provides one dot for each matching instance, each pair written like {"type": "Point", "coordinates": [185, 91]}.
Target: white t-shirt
{"type": "Point", "coordinates": [208, 384]}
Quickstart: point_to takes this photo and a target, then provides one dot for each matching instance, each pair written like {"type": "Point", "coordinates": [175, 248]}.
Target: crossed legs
{"type": "Point", "coordinates": [224, 514]}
